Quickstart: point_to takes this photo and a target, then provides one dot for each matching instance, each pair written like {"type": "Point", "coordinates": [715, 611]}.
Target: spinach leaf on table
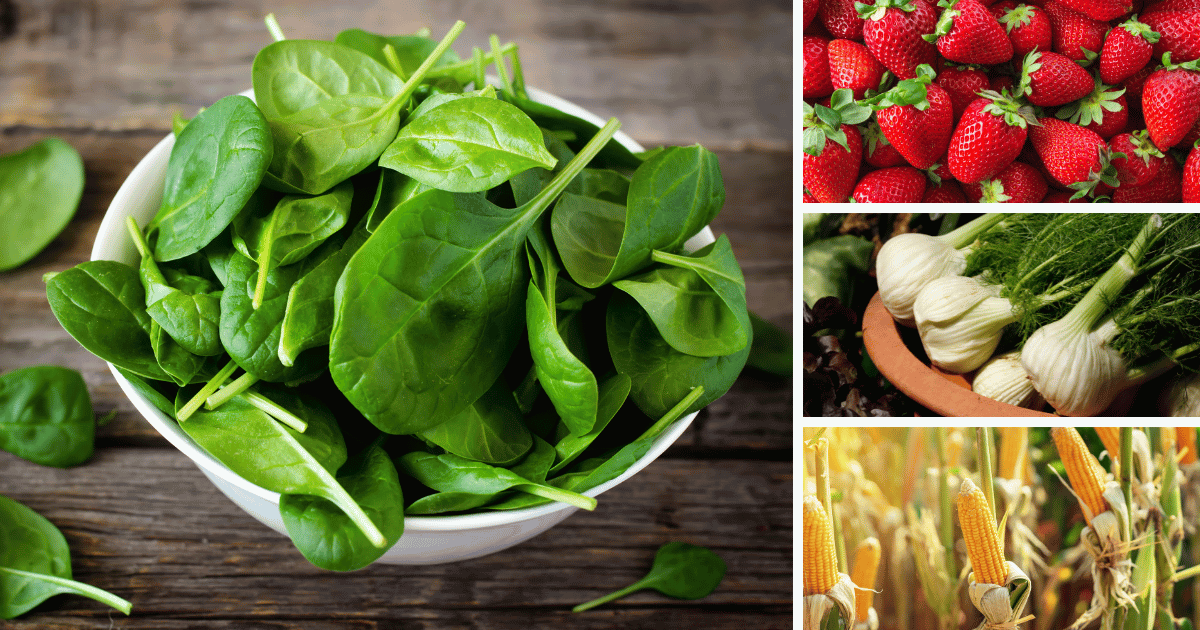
{"type": "Point", "coordinates": [491, 430]}
{"type": "Point", "coordinates": [102, 305]}
{"type": "Point", "coordinates": [46, 416]}
{"type": "Point", "coordinates": [428, 311]}
{"type": "Point", "coordinates": [680, 570]}
{"type": "Point", "coordinates": [326, 536]}
{"type": "Point", "coordinates": [35, 563]}
{"type": "Point", "coordinates": [40, 188]}
{"type": "Point", "coordinates": [215, 166]}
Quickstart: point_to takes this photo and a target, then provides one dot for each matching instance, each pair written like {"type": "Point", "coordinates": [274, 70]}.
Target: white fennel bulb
{"type": "Point", "coordinates": [1074, 369]}
{"type": "Point", "coordinates": [1182, 398]}
{"type": "Point", "coordinates": [908, 262]}
{"type": "Point", "coordinates": [1003, 378]}
{"type": "Point", "coordinates": [960, 321]}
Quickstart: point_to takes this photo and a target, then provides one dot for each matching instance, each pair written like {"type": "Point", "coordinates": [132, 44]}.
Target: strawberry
{"type": "Point", "coordinates": [1077, 158]}
{"type": "Point", "coordinates": [1191, 176]}
{"type": "Point", "coordinates": [877, 151]}
{"type": "Point", "coordinates": [967, 33]}
{"type": "Point", "coordinates": [809, 11]}
{"type": "Point", "coordinates": [1192, 135]}
{"type": "Point", "coordinates": [815, 67]}
{"type": "Point", "coordinates": [852, 66]}
{"type": "Point", "coordinates": [1165, 187]}
{"type": "Point", "coordinates": [1101, 10]}
{"type": "Point", "coordinates": [1171, 101]}
{"type": "Point", "coordinates": [1141, 160]}
{"type": "Point", "coordinates": [832, 147]}
{"type": "Point", "coordinates": [1127, 49]}
{"type": "Point", "coordinates": [948, 191]}
{"type": "Point", "coordinates": [963, 84]}
{"type": "Point", "coordinates": [1048, 79]}
{"type": "Point", "coordinates": [898, 184]}
{"type": "Point", "coordinates": [1028, 29]}
{"type": "Point", "coordinates": [917, 118]}
{"type": "Point", "coordinates": [892, 31]}
{"type": "Point", "coordinates": [1104, 111]}
{"type": "Point", "coordinates": [1180, 33]}
{"type": "Point", "coordinates": [841, 19]}
{"type": "Point", "coordinates": [1017, 183]}
{"type": "Point", "coordinates": [808, 198]}
{"type": "Point", "coordinates": [1002, 83]}
{"type": "Point", "coordinates": [989, 136]}
{"type": "Point", "coordinates": [1075, 35]}
{"type": "Point", "coordinates": [1133, 85]}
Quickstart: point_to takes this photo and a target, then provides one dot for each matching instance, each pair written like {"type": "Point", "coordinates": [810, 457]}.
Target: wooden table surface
{"type": "Point", "coordinates": [145, 524]}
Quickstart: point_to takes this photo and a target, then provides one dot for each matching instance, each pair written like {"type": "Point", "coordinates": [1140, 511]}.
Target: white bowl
{"type": "Point", "coordinates": [426, 539]}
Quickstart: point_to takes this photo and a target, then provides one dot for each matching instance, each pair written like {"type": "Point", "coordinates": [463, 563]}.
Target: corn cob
{"type": "Point", "coordinates": [1083, 471]}
{"type": "Point", "coordinates": [984, 547]}
{"type": "Point", "coordinates": [1185, 437]}
{"type": "Point", "coordinates": [866, 565]}
{"type": "Point", "coordinates": [1014, 446]}
{"type": "Point", "coordinates": [1111, 437]}
{"type": "Point", "coordinates": [820, 557]}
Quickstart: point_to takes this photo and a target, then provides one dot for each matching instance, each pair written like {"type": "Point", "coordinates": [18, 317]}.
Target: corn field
{"type": "Point", "coordinates": [999, 528]}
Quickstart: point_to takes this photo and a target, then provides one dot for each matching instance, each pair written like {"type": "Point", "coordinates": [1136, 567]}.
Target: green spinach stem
{"type": "Point", "coordinates": [239, 385]}
{"type": "Point", "coordinates": [87, 590]}
{"type": "Point", "coordinates": [273, 27]}
{"type": "Point", "coordinates": [193, 405]}
{"type": "Point", "coordinates": [271, 408]}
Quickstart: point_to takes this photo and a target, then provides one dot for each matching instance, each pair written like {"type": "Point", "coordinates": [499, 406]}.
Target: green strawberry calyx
{"type": "Point", "coordinates": [878, 9]}
{"type": "Point", "coordinates": [907, 92]}
{"type": "Point", "coordinates": [945, 23]}
{"type": "Point", "coordinates": [1143, 147]}
{"type": "Point", "coordinates": [1106, 175]}
{"type": "Point", "coordinates": [1141, 29]}
{"type": "Point", "coordinates": [1016, 113]}
{"type": "Point", "coordinates": [992, 191]}
{"type": "Point", "coordinates": [1183, 65]}
{"type": "Point", "coordinates": [824, 124]}
{"type": "Point", "coordinates": [873, 138]}
{"type": "Point", "coordinates": [1091, 108]}
{"type": "Point", "coordinates": [1022, 15]}
{"type": "Point", "coordinates": [1029, 65]}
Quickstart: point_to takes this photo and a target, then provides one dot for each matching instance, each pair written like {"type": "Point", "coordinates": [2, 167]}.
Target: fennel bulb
{"type": "Point", "coordinates": [1003, 379]}
{"type": "Point", "coordinates": [1075, 370]}
{"type": "Point", "coordinates": [961, 321]}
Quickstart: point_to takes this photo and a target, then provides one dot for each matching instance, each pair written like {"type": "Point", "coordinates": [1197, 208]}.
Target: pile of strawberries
{"type": "Point", "coordinates": [993, 100]}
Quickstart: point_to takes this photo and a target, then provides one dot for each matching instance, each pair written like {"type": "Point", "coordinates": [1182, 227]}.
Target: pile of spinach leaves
{"type": "Point", "coordinates": [385, 286]}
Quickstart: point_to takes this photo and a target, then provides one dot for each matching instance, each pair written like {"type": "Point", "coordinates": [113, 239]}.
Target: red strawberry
{"type": "Point", "coordinates": [946, 192]}
{"type": "Point", "coordinates": [1141, 160]}
{"type": "Point", "coordinates": [1102, 10]}
{"type": "Point", "coordinates": [832, 147]}
{"type": "Point", "coordinates": [1127, 49]}
{"type": "Point", "coordinates": [1000, 8]}
{"type": "Point", "coordinates": [1074, 156]}
{"type": "Point", "coordinates": [1171, 102]}
{"type": "Point", "coordinates": [816, 67]}
{"type": "Point", "coordinates": [967, 33]}
{"type": "Point", "coordinates": [1002, 83]}
{"type": "Point", "coordinates": [1017, 183]}
{"type": "Point", "coordinates": [1191, 177]}
{"type": "Point", "coordinates": [877, 151]}
{"type": "Point", "coordinates": [1104, 111]}
{"type": "Point", "coordinates": [1028, 29]}
{"type": "Point", "coordinates": [892, 32]}
{"type": "Point", "coordinates": [1193, 135]}
{"type": "Point", "coordinates": [1180, 33]}
{"type": "Point", "coordinates": [809, 11]}
{"type": "Point", "coordinates": [841, 19]}
{"type": "Point", "coordinates": [1165, 187]}
{"type": "Point", "coordinates": [1075, 35]}
{"type": "Point", "coordinates": [808, 198]}
{"type": "Point", "coordinates": [1048, 79]}
{"type": "Point", "coordinates": [1156, 6]}
{"type": "Point", "coordinates": [963, 84]}
{"type": "Point", "coordinates": [917, 118]}
{"type": "Point", "coordinates": [988, 137]}
{"type": "Point", "coordinates": [1133, 85]}
{"type": "Point", "coordinates": [898, 184]}
{"type": "Point", "coordinates": [852, 66]}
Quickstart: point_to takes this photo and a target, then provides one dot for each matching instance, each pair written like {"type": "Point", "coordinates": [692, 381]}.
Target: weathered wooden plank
{"type": "Point", "coordinates": [146, 525]}
{"type": "Point", "coordinates": [713, 71]}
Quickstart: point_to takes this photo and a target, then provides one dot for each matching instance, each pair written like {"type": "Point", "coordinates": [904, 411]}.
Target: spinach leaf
{"type": "Point", "coordinates": [35, 563]}
{"type": "Point", "coordinates": [548, 117]}
{"type": "Point", "coordinates": [411, 50]}
{"type": "Point", "coordinates": [215, 166]}
{"type": "Point", "coordinates": [182, 366]}
{"type": "Point", "coordinates": [428, 310]}
{"type": "Point", "coordinates": [491, 430]}
{"type": "Point", "coordinates": [451, 473]}
{"type": "Point", "coordinates": [535, 467]}
{"type": "Point", "coordinates": [394, 189]}
{"type": "Point", "coordinates": [662, 375]}
{"type": "Point", "coordinates": [267, 454]}
{"type": "Point", "coordinates": [326, 536]}
{"type": "Point", "coordinates": [322, 436]}
{"type": "Point", "coordinates": [440, 98]}
{"type": "Point", "coordinates": [771, 350]}
{"type": "Point", "coordinates": [186, 310]}
{"type": "Point", "coordinates": [443, 502]}
{"type": "Point", "coordinates": [613, 392]}
{"type": "Point", "coordinates": [46, 416]}
{"type": "Point", "coordinates": [680, 570]}
{"type": "Point", "coordinates": [697, 301]}
{"type": "Point", "coordinates": [40, 188]}
{"type": "Point", "coordinates": [467, 145]}
{"type": "Point", "coordinates": [102, 305]}
{"type": "Point", "coordinates": [671, 197]}
{"type": "Point", "coordinates": [218, 253]}
{"type": "Point", "coordinates": [162, 400]}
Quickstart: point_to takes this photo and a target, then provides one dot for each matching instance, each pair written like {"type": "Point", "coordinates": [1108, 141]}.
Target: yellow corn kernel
{"type": "Point", "coordinates": [1083, 471]}
{"type": "Point", "coordinates": [984, 547]}
{"type": "Point", "coordinates": [1014, 449]}
{"type": "Point", "coordinates": [1111, 437]}
{"type": "Point", "coordinates": [1185, 437]}
{"type": "Point", "coordinates": [866, 566]}
{"type": "Point", "coordinates": [820, 557]}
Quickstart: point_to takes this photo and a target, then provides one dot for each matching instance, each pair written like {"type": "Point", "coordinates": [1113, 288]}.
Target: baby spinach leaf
{"type": "Point", "coordinates": [451, 473]}
{"type": "Point", "coordinates": [441, 98]}
{"type": "Point", "coordinates": [697, 301]}
{"type": "Point", "coordinates": [215, 166]}
{"type": "Point", "coordinates": [428, 310]}
{"type": "Point", "coordinates": [548, 117]}
{"type": "Point", "coordinates": [159, 393]}
{"type": "Point", "coordinates": [218, 253]}
{"type": "Point", "coordinates": [322, 437]}
{"type": "Point", "coordinates": [411, 50]}
{"type": "Point", "coordinates": [443, 502]}
{"type": "Point", "coordinates": [613, 392]}
{"type": "Point", "coordinates": [326, 536]}
{"type": "Point", "coordinates": [491, 430]}
{"type": "Point", "coordinates": [186, 309]}
{"type": "Point", "coordinates": [40, 188]}
{"type": "Point", "coordinates": [102, 305]}
{"type": "Point", "coordinates": [267, 454]}
{"type": "Point", "coordinates": [394, 189]}
{"type": "Point", "coordinates": [671, 197]}
{"type": "Point", "coordinates": [182, 366]}
{"type": "Point", "coordinates": [35, 563]}
{"type": "Point", "coordinates": [662, 375]}
{"type": "Point", "coordinates": [680, 570]}
{"type": "Point", "coordinates": [46, 416]}
{"type": "Point", "coordinates": [467, 145]}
